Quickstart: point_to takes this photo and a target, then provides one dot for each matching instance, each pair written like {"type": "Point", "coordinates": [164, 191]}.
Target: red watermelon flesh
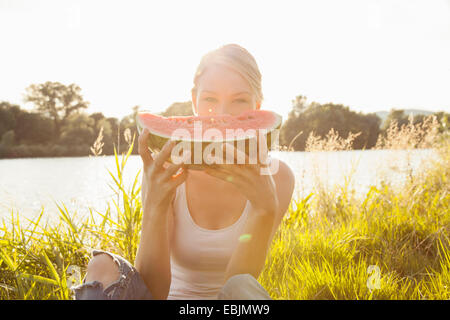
{"type": "Point", "coordinates": [162, 128]}
{"type": "Point", "coordinates": [252, 119]}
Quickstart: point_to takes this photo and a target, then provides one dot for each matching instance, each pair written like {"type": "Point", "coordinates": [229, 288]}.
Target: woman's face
{"type": "Point", "coordinates": [221, 90]}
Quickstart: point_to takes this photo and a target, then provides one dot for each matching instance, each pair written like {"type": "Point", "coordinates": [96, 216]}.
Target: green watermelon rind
{"type": "Point", "coordinates": [156, 140]}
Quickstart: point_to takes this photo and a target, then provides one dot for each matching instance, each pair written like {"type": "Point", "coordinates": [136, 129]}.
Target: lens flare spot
{"type": "Point", "coordinates": [229, 178]}
{"type": "Point", "coordinates": [245, 237]}
{"type": "Point", "coordinates": [210, 110]}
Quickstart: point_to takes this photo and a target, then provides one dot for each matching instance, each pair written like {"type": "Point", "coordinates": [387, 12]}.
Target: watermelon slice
{"type": "Point", "coordinates": [202, 134]}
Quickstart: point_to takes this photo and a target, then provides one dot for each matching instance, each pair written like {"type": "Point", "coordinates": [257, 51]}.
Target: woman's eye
{"type": "Point", "coordinates": [209, 99]}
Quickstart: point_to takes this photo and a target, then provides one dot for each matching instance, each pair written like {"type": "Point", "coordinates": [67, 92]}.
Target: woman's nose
{"type": "Point", "coordinates": [217, 109]}
{"type": "Point", "coordinates": [221, 109]}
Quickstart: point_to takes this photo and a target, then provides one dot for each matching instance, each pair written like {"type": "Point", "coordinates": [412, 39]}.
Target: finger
{"type": "Point", "coordinates": [263, 152]}
{"type": "Point", "coordinates": [166, 165]}
{"type": "Point", "coordinates": [242, 159]}
{"type": "Point", "coordinates": [219, 174]}
{"type": "Point", "coordinates": [238, 156]}
{"type": "Point", "coordinates": [178, 179]}
{"type": "Point", "coordinates": [224, 175]}
{"type": "Point", "coordinates": [171, 170]}
{"type": "Point", "coordinates": [232, 169]}
{"type": "Point", "coordinates": [242, 168]}
{"type": "Point", "coordinates": [164, 154]}
{"type": "Point", "coordinates": [241, 156]}
{"type": "Point", "coordinates": [143, 149]}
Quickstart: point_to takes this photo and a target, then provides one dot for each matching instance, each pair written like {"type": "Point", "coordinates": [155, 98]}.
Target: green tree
{"type": "Point", "coordinates": [56, 101]}
{"type": "Point", "coordinates": [6, 142]}
{"type": "Point", "coordinates": [108, 134]}
{"type": "Point", "coordinates": [397, 115]}
{"type": "Point", "coordinates": [299, 105]}
{"type": "Point", "coordinates": [8, 116]}
{"type": "Point", "coordinates": [99, 122]}
{"type": "Point", "coordinates": [78, 131]}
{"type": "Point", "coordinates": [114, 126]}
{"type": "Point", "coordinates": [129, 122]}
{"type": "Point", "coordinates": [33, 128]}
{"type": "Point", "coordinates": [320, 118]}
{"type": "Point", "coordinates": [97, 116]}
{"type": "Point", "coordinates": [7, 139]}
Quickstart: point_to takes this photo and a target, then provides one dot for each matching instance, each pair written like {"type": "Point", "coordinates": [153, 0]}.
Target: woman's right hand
{"type": "Point", "coordinates": [159, 183]}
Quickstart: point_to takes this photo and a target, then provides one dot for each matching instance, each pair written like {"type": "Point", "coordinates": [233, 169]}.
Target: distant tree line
{"type": "Point", "coordinates": [59, 125]}
{"type": "Point", "coordinates": [305, 118]}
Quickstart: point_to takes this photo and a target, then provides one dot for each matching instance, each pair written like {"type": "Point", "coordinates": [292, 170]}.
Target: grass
{"type": "Point", "coordinates": [329, 239]}
{"type": "Point", "coordinates": [323, 249]}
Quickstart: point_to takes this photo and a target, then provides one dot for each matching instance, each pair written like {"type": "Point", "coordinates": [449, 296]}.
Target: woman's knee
{"type": "Point", "coordinates": [238, 280]}
{"type": "Point", "coordinates": [243, 286]}
{"type": "Point", "coordinates": [103, 268]}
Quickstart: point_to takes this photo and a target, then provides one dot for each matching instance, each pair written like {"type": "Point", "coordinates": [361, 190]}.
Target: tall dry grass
{"type": "Point", "coordinates": [409, 137]}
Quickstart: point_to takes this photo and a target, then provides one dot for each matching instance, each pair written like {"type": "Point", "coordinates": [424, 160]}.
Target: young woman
{"type": "Point", "coordinates": [193, 220]}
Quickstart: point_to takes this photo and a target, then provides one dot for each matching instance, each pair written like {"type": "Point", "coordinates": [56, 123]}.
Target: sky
{"type": "Point", "coordinates": [368, 55]}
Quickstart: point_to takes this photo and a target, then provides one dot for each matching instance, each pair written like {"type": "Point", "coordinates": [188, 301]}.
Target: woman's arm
{"type": "Point", "coordinates": [250, 253]}
{"type": "Point", "coordinates": [159, 185]}
{"type": "Point", "coordinates": [153, 255]}
{"type": "Point", "coordinates": [269, 191]}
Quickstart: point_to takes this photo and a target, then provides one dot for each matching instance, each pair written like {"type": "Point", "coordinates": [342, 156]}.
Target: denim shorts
{"type": "Point", "coordinates": [131, 286]}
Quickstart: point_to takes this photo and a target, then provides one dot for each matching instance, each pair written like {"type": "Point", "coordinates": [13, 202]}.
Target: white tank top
{"type": "Point", "coordinates": [200, 256]}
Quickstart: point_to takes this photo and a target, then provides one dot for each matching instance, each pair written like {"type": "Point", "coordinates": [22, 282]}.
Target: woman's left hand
{"type": "Point", "coordinates": [259, 188]}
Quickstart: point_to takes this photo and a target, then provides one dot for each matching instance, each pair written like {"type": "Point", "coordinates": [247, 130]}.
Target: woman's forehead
{"type": "Point", "coordinates": [218, 80]}
{"type": "Point", "coordinates": [236, 93]}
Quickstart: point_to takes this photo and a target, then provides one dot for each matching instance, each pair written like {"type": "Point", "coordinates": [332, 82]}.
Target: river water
{"type": "Point", "coordinates": [27, 185]}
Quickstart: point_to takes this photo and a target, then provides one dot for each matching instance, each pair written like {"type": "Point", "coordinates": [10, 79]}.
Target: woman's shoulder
{"type": "Point", "coordinates": [285, 183]}
{"type": "Point", "coordinates": [282, 173]}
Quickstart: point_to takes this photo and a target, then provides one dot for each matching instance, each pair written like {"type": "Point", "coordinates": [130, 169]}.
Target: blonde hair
{"type": "Point", "coordinates": [239, 59]}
